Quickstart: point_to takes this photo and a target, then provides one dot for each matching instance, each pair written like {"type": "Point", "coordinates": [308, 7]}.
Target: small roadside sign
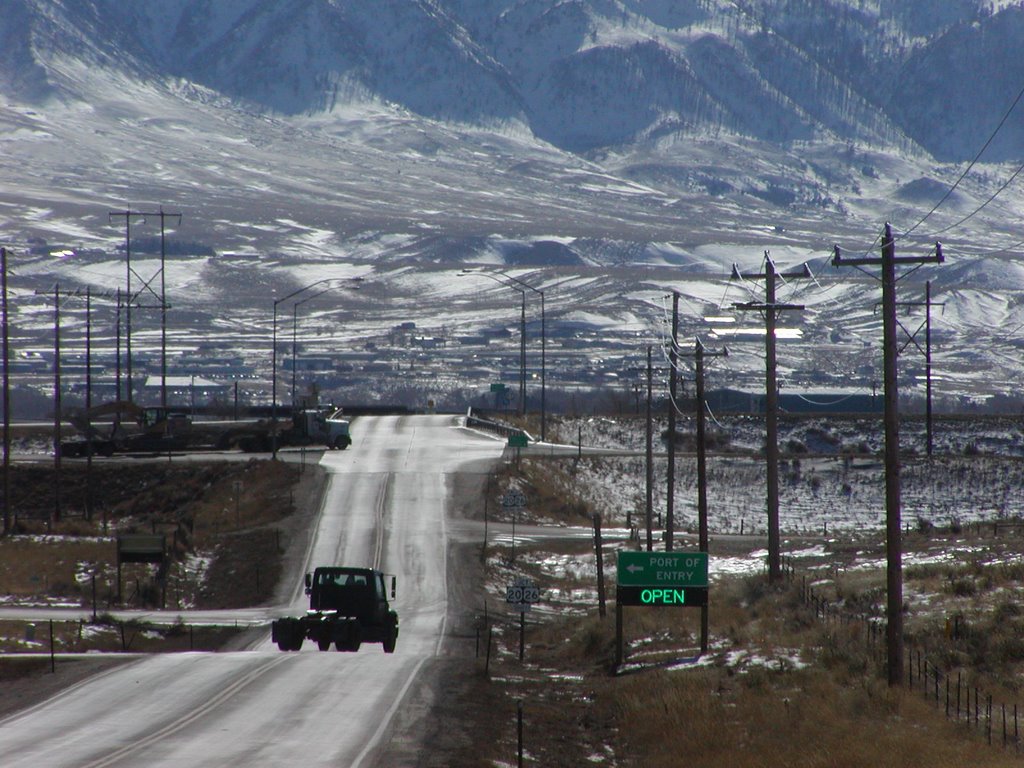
{"type": "Point", "coordinates": [518, 440]}
{"type": "Point", "coordinates": [521, 594]}
{"type": "Point", "coordinates": [497, 387]}
{"type": "Point", "coordinates": [513, 498]}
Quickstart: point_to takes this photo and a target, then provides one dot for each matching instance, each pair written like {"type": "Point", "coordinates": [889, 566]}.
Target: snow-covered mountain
{"type": "Point", "coordinates": [580, 74]}
{"type": "Point", "coordinates": [611, 148]}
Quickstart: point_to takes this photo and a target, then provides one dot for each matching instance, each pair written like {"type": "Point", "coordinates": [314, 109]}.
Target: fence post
{"type": "Point", "coordinates": [958, 674]}
{"type": "Point", "coordinates": [988, 716]}
{"type": "Point", "coordinates": [487, 658]}
{"type": "Point", "coordinates": [599, 551]}
{"type": "Point", "coordinates": [519, 730]}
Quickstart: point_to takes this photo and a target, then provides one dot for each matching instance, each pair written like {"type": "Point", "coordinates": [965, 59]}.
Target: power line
{"type": "Point", "coordinates": [970, 166]}
{"type": "Point", "coordinates": [978, 210]}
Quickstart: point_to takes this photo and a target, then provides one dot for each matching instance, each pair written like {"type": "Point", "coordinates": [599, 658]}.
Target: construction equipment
{"type": "Point", "coordinates": [124, 427]}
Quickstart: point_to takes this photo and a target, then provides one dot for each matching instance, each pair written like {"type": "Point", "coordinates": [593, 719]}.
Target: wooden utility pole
{"type": "Point", "coordinates": [893, 523]}
{"type": "Point", "coordinates": [699, 353]}
{"type": "Point", "coordinates": [56, 403]}
{"type": "Point", "coordinates": [649, 457]}
{"type": "Point", "coordinates": [7, 393]}
{"type": "Point", "coordinates": [89, 437]}
{"type": "Point", "coordinates": [928, 364]}
{"type": "Point", "coordinates": [57, 398]}
{"type": "Point", "coordinates": [673, 354]}
{"type": "Point", "coordinates": [770, 309]}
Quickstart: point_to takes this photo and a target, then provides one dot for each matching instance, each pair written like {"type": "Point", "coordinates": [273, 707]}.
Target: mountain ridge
{"type": "Point", "coordinates": [606, 151]}
{"type": "Point", "coordinates": [583, 75]}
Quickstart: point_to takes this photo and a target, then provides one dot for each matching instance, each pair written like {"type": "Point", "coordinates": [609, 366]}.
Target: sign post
{"type": "Point", "coordinates": [513, 500]}
{"type": "Point", "coordinates": [521, 594]}
{"type": "Point", "coordinates": [675, 579]}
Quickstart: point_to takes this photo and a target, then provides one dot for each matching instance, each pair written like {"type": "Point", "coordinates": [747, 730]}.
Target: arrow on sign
{"type": "Point", "coordinates": [634, 568]}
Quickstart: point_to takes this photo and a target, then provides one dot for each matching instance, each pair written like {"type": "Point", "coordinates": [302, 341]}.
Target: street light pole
{"type": "Point", "coordinates": [273, 355]}
{"type": "Point", "coordinates": [522, 354]}
{"type": "Point", "coordinates": [543, 353]}
{"type": "Point", "coordinates": [522, 328]}
{"type": "Point", "coordinates": [295, 309]}
{"type": "Point", "coordinates": [543, 343]}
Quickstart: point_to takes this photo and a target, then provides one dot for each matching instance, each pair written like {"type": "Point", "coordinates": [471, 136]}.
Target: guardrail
{"type": "Point", "coordinates": [506, 430]}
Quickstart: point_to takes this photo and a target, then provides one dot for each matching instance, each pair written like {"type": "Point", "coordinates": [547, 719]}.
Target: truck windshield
{"type": "Point", "coordinates": [329, 579]}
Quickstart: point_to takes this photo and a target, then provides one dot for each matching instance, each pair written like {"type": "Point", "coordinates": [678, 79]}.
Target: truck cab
{"type": "Point", "coordinates": [358, 593]}
{"type": "Point", "coordinates": [347, 607]}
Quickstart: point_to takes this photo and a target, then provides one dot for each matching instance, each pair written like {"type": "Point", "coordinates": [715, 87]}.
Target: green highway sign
{"type": "Point", "coordinates": [518, 440]}
{"type": "Point", "coordinates": [662, 569]}
{"type": "Point", "coordinates": [497, 387]}
{"type": "Point", "coordinates": [680, 597]}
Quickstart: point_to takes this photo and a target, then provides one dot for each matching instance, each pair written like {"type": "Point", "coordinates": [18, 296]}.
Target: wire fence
{"type": "Point", "coordinates": [951, 690]}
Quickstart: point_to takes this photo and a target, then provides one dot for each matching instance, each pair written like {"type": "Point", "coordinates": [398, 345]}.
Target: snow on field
{"type": "Point", "coordinates": [979, 476]}
{"type": "Point", "coordinates": [832, 516]}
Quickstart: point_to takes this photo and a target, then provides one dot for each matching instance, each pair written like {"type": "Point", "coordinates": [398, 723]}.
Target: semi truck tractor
{"type": "Point", "coordinates": [347, 607]}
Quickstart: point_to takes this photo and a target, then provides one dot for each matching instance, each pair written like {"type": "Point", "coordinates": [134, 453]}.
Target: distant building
{"type": "Point", "coordinates": [308, 363]}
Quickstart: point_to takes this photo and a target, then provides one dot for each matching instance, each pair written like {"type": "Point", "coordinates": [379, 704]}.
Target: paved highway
{"type": "Point", "coordinates": [384, 507]}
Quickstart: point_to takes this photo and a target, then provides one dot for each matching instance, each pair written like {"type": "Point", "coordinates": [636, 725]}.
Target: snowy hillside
{"type": "Point", "coordinates": [609, 151]}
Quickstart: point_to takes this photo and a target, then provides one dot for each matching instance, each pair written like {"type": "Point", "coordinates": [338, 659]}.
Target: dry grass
{"type": "Point", "coordinates": [796, 719]}
{"type": "Point", "coordinates": [230, 513]}
{"type": "Point", "coordinates": [779, 687]}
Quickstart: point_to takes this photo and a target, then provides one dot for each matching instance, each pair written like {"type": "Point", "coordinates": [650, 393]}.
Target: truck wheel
{"type": "Point", "coordinates": [340, 443]}
{"type": "Point", "coordinates": [352, 641]}
{"type": "Point", "coordinates": [323, 645]}
{"type": "Point", "coordinates": [296, 643]}
{"type": "Point", "coordinates": [391, 639]}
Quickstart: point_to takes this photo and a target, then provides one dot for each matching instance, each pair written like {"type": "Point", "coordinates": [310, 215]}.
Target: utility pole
{"type": "Point", "coordinates": [770, 309]}
{"type": "Point", "coordinates": [117, 349]}
{"type": "Point", "coordinates": [650, 456]}
{"type": "Point", "coordinates": [127, 214]}
{"type": "Point", "coordinates": [163, 302]}
{"type": "Point", "coordinates": [927, 352]}
{"type": "Point", "coordinates": [928, 364]}
{"type": "Point", "coordinates": [57, 399]}
{"type": "Point", "coordinates": [893, 523]}
{"type": "Point", "coordinates": [56, 403]}
{"type": "Point", "coordinates": [671, 490]}
{"type": "Point", "coordinates": [88, 405]}
{"type": "Point", "coordinates": [147, 286]}
{"type": "Point", "coordinates": [699, 353]}
{"type": "Point", "coordinates": [7, 394]}
{"type": "Point", "coordinates": [522, 356]}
